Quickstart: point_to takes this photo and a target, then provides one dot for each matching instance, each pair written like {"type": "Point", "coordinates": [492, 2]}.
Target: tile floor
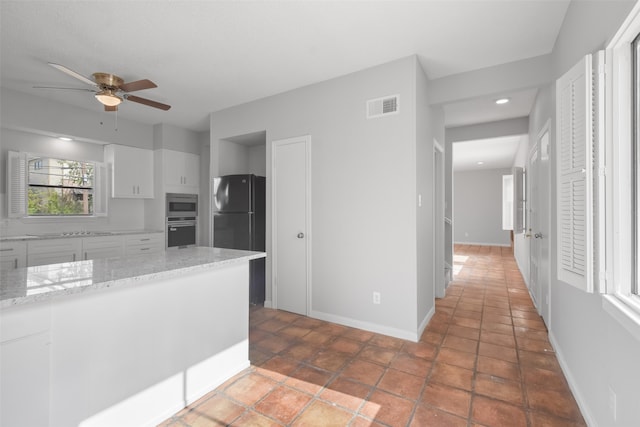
{"type": "Point", "coordinates": [484, 360]}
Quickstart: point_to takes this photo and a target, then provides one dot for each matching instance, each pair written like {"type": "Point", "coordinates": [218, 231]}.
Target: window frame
{"type": "Point", "coordinates": [622, 301]}
{"type": "Point", "coordinates": [93, 188]}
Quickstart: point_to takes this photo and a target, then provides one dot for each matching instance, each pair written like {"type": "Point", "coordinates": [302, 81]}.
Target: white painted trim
{"type": "Point", "coordinates": [546, 128]}
{"type": "Point", "coordinates": [575, 390]}
{"type": "Point", "coordinates": [306, 139]}
{"type": "Point", "coordinates": [623, 313]}
{"type": "Point", "coordinates": [367, 326]}
{"type": "Point", "coordinates": [268, 304]}
{"type": "Point", "coordinates": [425, 322]}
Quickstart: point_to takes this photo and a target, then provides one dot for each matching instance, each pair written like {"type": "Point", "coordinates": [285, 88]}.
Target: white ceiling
{"type": "Point", "coordinates": [495, 153]}
{"type": "Point", "coordinates": [207, 56]}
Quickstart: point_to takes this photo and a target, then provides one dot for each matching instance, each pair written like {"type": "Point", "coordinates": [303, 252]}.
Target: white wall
{"type": "Point", "coordinates": [258, 160]}
{"type": "Point", "coordinates": [477, 213]}
{"type": "Point", "coordinates": [360, 169]}
{"type": "Point", "coordinates": [596, 352]}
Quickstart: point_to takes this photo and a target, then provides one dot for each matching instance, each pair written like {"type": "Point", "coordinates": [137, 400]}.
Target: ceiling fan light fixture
{"type": "Point", "coordinates": [108, 98]}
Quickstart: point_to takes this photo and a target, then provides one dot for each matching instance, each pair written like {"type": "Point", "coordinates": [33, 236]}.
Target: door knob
{"type": "Point", "coordinates": [538, 235]}
{"type": "Point", "coordinates": [300, 235]}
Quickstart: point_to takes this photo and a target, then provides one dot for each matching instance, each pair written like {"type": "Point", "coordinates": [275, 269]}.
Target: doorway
{"type": "Point", "coordinates": [291, 213]}
{"type": "Point", "coordinates": [439, 270]}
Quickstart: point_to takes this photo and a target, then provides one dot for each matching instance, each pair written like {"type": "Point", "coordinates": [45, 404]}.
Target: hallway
{"type": "Point", "coordinates": [484, 360]}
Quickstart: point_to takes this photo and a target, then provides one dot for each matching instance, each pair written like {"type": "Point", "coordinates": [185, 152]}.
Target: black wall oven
{"type": "Point", "coordinates": [182, 220]}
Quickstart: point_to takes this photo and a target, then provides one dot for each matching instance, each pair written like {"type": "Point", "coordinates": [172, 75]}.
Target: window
{"type": "Point", "coordinates": [42, 186]}
{"type": "Point", "coordinates": [59, 187]}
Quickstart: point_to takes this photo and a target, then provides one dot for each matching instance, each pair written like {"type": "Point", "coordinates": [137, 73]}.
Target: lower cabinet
{"type": "Point", "coordinates": [102, 247]}
{"type": "Point", "coordinates": [140, 244]}
{"type": "Point", "coordinates": [13, 255]}
{"type": "Point", "coordinates": [53, 251]}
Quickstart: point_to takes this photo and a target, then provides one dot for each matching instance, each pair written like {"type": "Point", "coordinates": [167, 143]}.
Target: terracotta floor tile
{"type": "Point", "coordinates": [295, 331]}
{"type": "Point", "coordinates": [553, 402]}
{"type": "Point", "coordinates": [462, 344]}
{"type": "Point", "coordinates": [218, 410]}
{"type": "Point", "coordinates": [463, 332]}
{"type": "Point", "coordinates": [277, 368]}
{"type": "Point", "coordinates": [377, 354]}
{"type": "Point", "coordinates": [538, 346]}
{"type": "Point", "coordinates": [425, 416]}
{"type": "Point", "coordinates": [529, 323]}
{"type": "Point", "coordinates": [420, 349]}
{"type": "Point", "coordinates": [317, 338]}
{"type": "Point", "coordinates": [411, 364]}
{"type": "Point", "coordinates": [365, 422]}
{"type": "Point", "coordinates": [254, 419]}
{"type": "Point", "coordinates": [432, 337]}
{"type": "Point", "coordinates": [308, 379]}
{"type": "Point", "coordinates": [401, 383]}
{"type": "Point", "coordinates": [497, 352]}
{"type": "Point", "coordinates": [539, 360]}
{"type": "Point", "coordinates": [535, 334]}
{"type": "Point", "coordinates": [497, 338]}
{"type": "Point", "coordinates": [346, 393]}
{"type": "Point", "coordinates": [283, 404]}
{"type": "Point", "coordinates": [300, 351]}
{"type": "Point", "coordinates": [388, 409]}
{"type": "Point", "coordinates": [500, 328]}
{"type": "Point", "coordinates": [329, 360]}
{"type": "Point", "coordinates": [250, 388]}
{"type": "Point", "coordinates": [543, 378]}
{"type": "Point", "coordinates": [476, 315]}
{"type": "Point", "coordinates": [456, 357]}
{"type": "Point", "coordinates": [344, 345]}
{"type": "Point", "coordinates": [274, 344]}
{"type": "Point", "coordinates": [365, 372]}
{"type": "Point", "coordinates": [494, 413]}
{"type": "Point", "coordinates": [358, 335]}
{"type": "Point", "coordinates": [257, 357]}
{"type": "Point", "coordinates": [384, 341]}
{"type": "Point", "coordinates": [498, 368]}
{"type": "Point", "coordinates": [448, 399]}
{"type": "Point", "coordinates": [469, 323]}
{"type": "Point", "coordinates": [322, 414]}
{"type": "Point", "coordinates": [453, 376]}
{"type": "Point", "coordinates": [499, 388]}
{"type": "Point", "coordinates": [540, 419]}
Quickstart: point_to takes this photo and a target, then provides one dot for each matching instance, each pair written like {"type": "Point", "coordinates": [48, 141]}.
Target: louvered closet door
{"type": "Point", "coordinates": [574, 176]}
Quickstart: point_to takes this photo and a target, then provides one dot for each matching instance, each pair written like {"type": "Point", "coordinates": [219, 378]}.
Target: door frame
{"type": "Point", "coordinates": [545, 286]}
{"type": "Point", "coordinates": [439, 270]}
{"type": "Point", "coordinates": [305, 139]}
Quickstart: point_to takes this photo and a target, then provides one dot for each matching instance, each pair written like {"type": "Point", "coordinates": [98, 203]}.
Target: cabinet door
{"type": "Point", "coordinates": [192, 170]}
{"type": "Point", "coordinates": [24, 381]}
{"type": "Point", "coordinates": [131, 171]}
{"type": "Point", "coordinates": [102, 247]}
{"type": "Point", "coordinates": [181, 171]}
{"type": "Point", "coordinates": [141, 244]}
{"type": "Point", "coordinates": [53, 251]}
{"type": "Point", "coordinates": [13, 255]}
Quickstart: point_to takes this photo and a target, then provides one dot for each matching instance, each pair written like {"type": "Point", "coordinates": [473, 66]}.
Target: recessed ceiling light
{"type": "Point", "coordinates": [64, 138]}
{"type": "Point", "coordinates": [502, 101]}
{"type": "Point", "coordinates": [480, 163]}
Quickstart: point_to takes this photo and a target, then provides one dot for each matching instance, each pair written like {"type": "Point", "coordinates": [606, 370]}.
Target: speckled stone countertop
{"type": "Point", "coordinates": [31, 284]}
{"type": "Point", "coordinates": [74, 234]}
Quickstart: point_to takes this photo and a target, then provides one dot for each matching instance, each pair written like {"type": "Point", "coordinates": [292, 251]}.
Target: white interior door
{"type": "Point", "coordinates": [534, 195]}
{"type": "Point", "coordinates": [540, 220]}
{"type": "Point", "coordinates": [291, 224]}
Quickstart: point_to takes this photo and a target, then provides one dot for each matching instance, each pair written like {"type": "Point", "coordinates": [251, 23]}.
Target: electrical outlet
{"type": "Point", "coordinates": [612, 403]}
{"type": "Point", "coordinates": [376, 297]}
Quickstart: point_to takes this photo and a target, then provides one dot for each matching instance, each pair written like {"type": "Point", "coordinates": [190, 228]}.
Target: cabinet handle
{"type": "Point", "coordinates": [6, 250]}
{"type": "Point", "coordinates": [144, 240]}
{"type": "Point", "coordinates": [144, 249]}
{"type": "Point", "coordinates": [74, 257]}
{"type": "Point", "coordinates": [15, 263]}
{"type": "Point", "coordinates": [133, 189]}
{"type": "Point", "coordinates": [85, 256]}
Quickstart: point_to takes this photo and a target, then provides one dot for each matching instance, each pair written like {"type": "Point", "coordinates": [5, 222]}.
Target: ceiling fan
{"type": "Point", "coordinates": [110, 89]}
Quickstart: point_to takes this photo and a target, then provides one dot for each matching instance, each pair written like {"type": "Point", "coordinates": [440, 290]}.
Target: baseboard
{"type": "Point", "coordinates": [584, 408]}
{"type": "Point", "coordinates": [367, 326]}
{"type": "Point", "coordinates": [268, 304]}
{"type": "Point", "coordinates": [503, 245]}
{"type": "Point", "coordinates": [425, 321]}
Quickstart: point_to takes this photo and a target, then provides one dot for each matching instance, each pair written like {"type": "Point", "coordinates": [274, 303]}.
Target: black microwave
{"type": "Point", "coordinates": [181, 205]}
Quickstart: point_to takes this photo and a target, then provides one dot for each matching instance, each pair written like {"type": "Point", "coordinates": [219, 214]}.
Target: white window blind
{"type": "Point", "coordinates": [518, 200]}
{"type": "Point", "coordinates": [17, 184]}
{"type": "Point", "coordinates": [574, 97]}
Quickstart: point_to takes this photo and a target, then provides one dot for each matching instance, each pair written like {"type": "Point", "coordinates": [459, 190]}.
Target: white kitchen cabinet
{"type": "Point", "coordinates": [131, 171]}
{"type": "Point", "coordinates": [53, 251]}
{"type": "Point", "coordinates": [181, 171]}
{"type": "Point", "coordinates": [102, 247]}
{"type": "Point", "coordinates": [13, 255]}
{"type": "Point", "coordinates": [24, 367]}
{"type": "Point", "coordinates": [141, 244]}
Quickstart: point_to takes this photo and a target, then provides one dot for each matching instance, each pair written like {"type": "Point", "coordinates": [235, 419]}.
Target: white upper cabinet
{"type": "Point", "coordinates": [181, 171]}
{"type": "Point", "coordinates": [131, 171]}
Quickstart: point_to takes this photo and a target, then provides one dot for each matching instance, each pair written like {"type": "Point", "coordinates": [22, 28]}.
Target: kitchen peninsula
{"type": "Point", "coordinates": [121, 341]}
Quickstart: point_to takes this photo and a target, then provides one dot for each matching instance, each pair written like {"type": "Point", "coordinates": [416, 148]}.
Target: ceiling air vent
{"type": "Point", "coordinates": [383, 106]}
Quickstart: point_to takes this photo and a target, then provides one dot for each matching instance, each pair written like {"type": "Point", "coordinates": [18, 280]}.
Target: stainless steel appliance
{"type": "Point", "coordinates": [239, 223]}
{"type": "Point", "coordinates": [182, 220]}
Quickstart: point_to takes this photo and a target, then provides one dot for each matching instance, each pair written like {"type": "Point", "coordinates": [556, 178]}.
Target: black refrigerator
{"type": "Point", "coordinates": [239, 223]}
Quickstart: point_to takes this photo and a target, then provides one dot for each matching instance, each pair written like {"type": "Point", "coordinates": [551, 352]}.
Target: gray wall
{"type": "Point", "coordinates": [477, 212]}
{"type": "Point", "coordinates": [596, 352]}
{"type": "Point", "coordinates": [358, 166]}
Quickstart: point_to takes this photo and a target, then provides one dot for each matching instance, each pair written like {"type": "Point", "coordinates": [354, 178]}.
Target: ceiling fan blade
{"type": "Point", "coordinates": [148, 102]}
{"type": "Point", "coordinates": [137, 85]}
{"type": "Point", "coordinates": [110, 108]}
{"type": "Point", "coordinates": [65, 88]}
{"type": "Point", "coordinates": [73, 73]}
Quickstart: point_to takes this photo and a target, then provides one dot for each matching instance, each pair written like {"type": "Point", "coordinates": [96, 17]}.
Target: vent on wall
{"type": "Point", "coordinates": [383, 106]}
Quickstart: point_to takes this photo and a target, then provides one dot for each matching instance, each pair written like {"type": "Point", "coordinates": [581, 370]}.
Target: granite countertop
{"type": "Point", "coordinates": [31, 284]}
{"type": "Point", "coordinates": [74, 234]}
